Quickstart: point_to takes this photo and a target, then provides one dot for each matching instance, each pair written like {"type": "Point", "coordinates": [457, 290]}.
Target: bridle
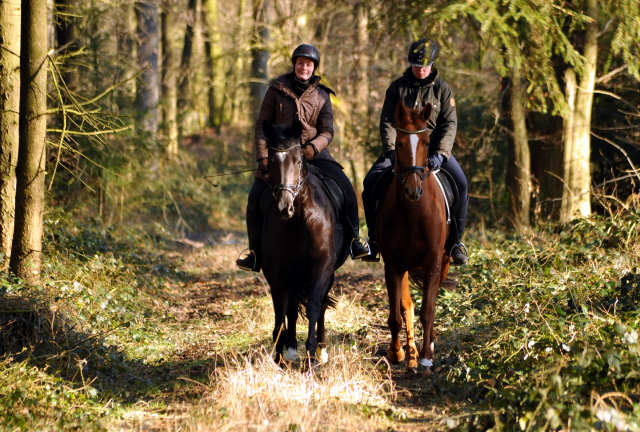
{"type": "Point", "coordinates": [421, 171]}
{"type": "Point", "coordinates": [292, 189]}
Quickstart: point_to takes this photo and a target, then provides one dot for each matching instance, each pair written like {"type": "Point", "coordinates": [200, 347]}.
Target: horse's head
{"type": "Point", "coordinates": [286, 165]}
{"type": "Point", "coordinates": [412, 148]}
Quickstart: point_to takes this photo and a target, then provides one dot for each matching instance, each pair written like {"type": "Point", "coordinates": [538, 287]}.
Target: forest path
{"type": "Point", "coordinates": [218, 309]}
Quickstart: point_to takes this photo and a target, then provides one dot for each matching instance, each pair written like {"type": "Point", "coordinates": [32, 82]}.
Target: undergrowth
{"type": "Point", "coordinates": [542, 333]}
{"type": "Point", "coordinates": [544, 327]}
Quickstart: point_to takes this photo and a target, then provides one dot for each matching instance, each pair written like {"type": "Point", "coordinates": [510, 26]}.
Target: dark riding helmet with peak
{"type": "Point", "coordinates": [423, 53]}
{"type": "Point", "coordinates": [308, 51]}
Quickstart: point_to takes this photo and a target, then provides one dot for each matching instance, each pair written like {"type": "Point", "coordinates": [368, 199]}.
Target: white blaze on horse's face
{"type": "Point", "coordinates": [414, 139]}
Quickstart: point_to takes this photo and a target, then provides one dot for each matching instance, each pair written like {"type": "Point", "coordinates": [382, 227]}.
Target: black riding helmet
{"type": "Point", "coordinates": [308, 51]}
{"type": "Point", "coordinates": [423, 53]}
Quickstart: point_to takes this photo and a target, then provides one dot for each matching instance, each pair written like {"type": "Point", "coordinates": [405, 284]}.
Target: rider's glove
{"type": "Point", "coordinates": [262, 167]}
{"type": "Point", "coordinates": [435, 161]}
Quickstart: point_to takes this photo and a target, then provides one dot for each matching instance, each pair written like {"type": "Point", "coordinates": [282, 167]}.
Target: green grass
{"type": "Point", "coordinates": [129, 328]}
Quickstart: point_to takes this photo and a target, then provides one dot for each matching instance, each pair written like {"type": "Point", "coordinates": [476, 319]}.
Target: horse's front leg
{"type": "Point", "coordinates": [321, 278]}
{"type": "Point", "coordinates": [292, 318]}
{"type": "Point", "coordinates": [432, 274]}
{"type": "Point", "coordinates": [321, 351]}
{"type": "Point", "coordinates": [407, 316]}
{"type": "Point", "coordinates": [393, 279]}
{"type": "Point", "coordinates": [279, 297]}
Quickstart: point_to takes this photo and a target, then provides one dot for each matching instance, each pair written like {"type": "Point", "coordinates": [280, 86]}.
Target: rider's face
{"type": "Point", "coordinates": [421, 72]}
{"type": "Point", "coordinates": [304, 68]}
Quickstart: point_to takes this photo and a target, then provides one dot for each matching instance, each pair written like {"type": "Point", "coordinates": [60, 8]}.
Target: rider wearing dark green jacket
{"type": "Point", "coordinates": [420, 85]}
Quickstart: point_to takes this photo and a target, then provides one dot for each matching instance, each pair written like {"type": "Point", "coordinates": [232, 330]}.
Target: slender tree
{"type": "Point", "coordinates": [67, 35]}
{"type": "Point", "coordinates": [9, 131]}
{"type": "Point", "coordinates": [215, 71]}
{"type": "Point", "coordinates": [170, 69]}
{"type": "Point", "coordinates": [147, 92]}
{"type": "Point", "coordinates": [26, 254]}
{"type": "Point", "coordinates": [259, 56]}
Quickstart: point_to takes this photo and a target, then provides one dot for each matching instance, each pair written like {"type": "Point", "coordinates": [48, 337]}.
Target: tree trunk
{"type": "Point", "coordinates": [9, 131]}
{"type": "Point", "coordinates": [67, 34]}
{"type": "Point", "coordinates": [147, 94]}
{"type": "Point", "coordinates": [576, 199]}
{"type": "Point", "coordinates": [362, 63]}
{"type": "Point", "coordinates": [259, 57]}
{"type": "Point", "coordinates": [26, 256]}
{"type": "Point", "coordinates": [522, 201]}
{"type": "Point", "coordinates": [215, 72]}
{"type": "Point", "coordinates": [170, 69]}
{"type": "Point", "coordinates": [188, 80]}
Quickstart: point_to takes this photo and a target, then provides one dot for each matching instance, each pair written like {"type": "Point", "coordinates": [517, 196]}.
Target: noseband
{"type": "Point", "coordinates": [292, 189]}
{"type": "Point", "coordinates": [421, 171]}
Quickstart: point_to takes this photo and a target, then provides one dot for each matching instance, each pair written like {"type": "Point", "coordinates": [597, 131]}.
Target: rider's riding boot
{"type": "Point", "coordinates": [359, 250]}
{"type": "Point", "coordinates": [253, 261]}
{"type": "Point", "coordinates": [459, 251]}
{"type": "Point", "coordinates": [373, 246]}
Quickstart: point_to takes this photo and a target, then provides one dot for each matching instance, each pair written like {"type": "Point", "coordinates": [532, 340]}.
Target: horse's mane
{"type": "Point", "coordinates": [282, 138]}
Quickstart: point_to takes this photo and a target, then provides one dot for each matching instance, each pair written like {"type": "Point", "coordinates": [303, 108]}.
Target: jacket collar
{"type": "Point", "coordinates": [414, 82]}
{"type": "Point", "coordinates": [284, 84]}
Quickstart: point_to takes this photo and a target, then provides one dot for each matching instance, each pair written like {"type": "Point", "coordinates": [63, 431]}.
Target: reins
{"type": "Point", "coordinates": [292, 189]}
{"type": "Point", "coordinates": [420, 171]}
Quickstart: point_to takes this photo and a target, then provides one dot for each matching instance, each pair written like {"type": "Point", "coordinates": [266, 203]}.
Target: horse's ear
{"type": "Point", "coordinates": [296, 129]}
{"type": "Point", "coordinates": [268, 129]}
{"type": "Point", "coordinates": [401, 110]}
{"type": "Point", "coordinates": [426, 112]}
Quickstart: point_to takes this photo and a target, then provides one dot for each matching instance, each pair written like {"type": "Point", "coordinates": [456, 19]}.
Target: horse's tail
{"type": "Point", "coordinates": [416, 279]}
{"type": "Point", "coordinates": [328, 301]}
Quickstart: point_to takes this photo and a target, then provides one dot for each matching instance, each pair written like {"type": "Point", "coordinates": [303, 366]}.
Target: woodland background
{"type": "Point", "coordinates": [170, 75]}
{"type": "Point", "coordinates": [121, 307]}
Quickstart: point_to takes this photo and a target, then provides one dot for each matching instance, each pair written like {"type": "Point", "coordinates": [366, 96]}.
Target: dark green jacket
{"type": "Point", "coordinates": [443, 121]}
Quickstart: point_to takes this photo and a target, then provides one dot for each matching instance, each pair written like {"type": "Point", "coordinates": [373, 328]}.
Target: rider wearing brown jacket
{"type": "Point", "coordinates": [299, 95]}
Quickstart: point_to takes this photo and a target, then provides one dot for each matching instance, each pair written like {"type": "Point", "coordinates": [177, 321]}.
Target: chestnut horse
{"type": "Point", "coordinates": [412, 229]}
{"type": "Point", "coordinates": [302, 244]}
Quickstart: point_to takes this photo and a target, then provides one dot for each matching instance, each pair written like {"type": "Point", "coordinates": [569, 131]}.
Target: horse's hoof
{"type": "Point", "coordinates": [395, 357]}
{"type": "Point", "coordinates": [412, 371]}
{"type": "Point", "coordinates": [322, 355]}
{"type": "Point", "coordinates": [412, 364]}
{"type": "Point", "coordinates": [292, 355]}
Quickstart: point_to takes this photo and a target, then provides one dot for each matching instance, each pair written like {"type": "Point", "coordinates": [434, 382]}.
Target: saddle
{"type": "Point", "coordinates": [445, 181]}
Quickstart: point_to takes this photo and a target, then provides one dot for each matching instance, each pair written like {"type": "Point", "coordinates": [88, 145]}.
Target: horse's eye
{"type": "Point", "coordinates": [400, 144]}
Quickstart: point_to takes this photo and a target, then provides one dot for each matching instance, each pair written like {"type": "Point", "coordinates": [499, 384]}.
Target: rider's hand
{"type": "Point", "coordinates": [262, 167]}
{"type": "Point", "coordinates": [309, 151]}
{"type": "Point", "coordinates": [435, 161]}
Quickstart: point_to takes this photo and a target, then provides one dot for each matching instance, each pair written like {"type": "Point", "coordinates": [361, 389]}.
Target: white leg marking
{"type": "Point", "coordinates": [414, 140]}
{"type": "Point", "coordinates": [322, 355]}
{"type": "Point", "coordinates": [291, 355]}
{"type": "Point", "coordinates": [426, 362]}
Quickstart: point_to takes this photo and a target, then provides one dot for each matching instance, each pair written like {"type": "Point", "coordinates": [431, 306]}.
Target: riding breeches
{"type": "Point", "coordinates": [254, 218]}
{"type": "Point", "coordinates": [387, 160]}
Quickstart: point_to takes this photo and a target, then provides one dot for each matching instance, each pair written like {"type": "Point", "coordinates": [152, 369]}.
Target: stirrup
{"type": "Point", "coordinates": [366, 243]}
{"type": "Point", "coordinates": [466, 253]}
{"type": "Point", "coordinates": [372, 258]}
{"type": "Point", "coordinates": [247, 268]}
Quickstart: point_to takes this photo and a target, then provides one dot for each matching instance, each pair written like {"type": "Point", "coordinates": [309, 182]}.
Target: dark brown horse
{"type": "Point", "coordinates": [412, 230]}
{"type": "Point", "coordinates": [301, 244]}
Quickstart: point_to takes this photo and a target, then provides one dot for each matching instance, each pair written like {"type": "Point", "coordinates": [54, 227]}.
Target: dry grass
{"type": "Point", "coordinates": [252, 393]}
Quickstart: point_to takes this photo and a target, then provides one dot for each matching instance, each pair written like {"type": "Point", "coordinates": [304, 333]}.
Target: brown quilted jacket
{"type": "Point", "coordinates": [281, 105]}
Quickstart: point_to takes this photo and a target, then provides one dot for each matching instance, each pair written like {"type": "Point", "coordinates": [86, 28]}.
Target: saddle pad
{"type": "Point", "coordinates": [332, 189]}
